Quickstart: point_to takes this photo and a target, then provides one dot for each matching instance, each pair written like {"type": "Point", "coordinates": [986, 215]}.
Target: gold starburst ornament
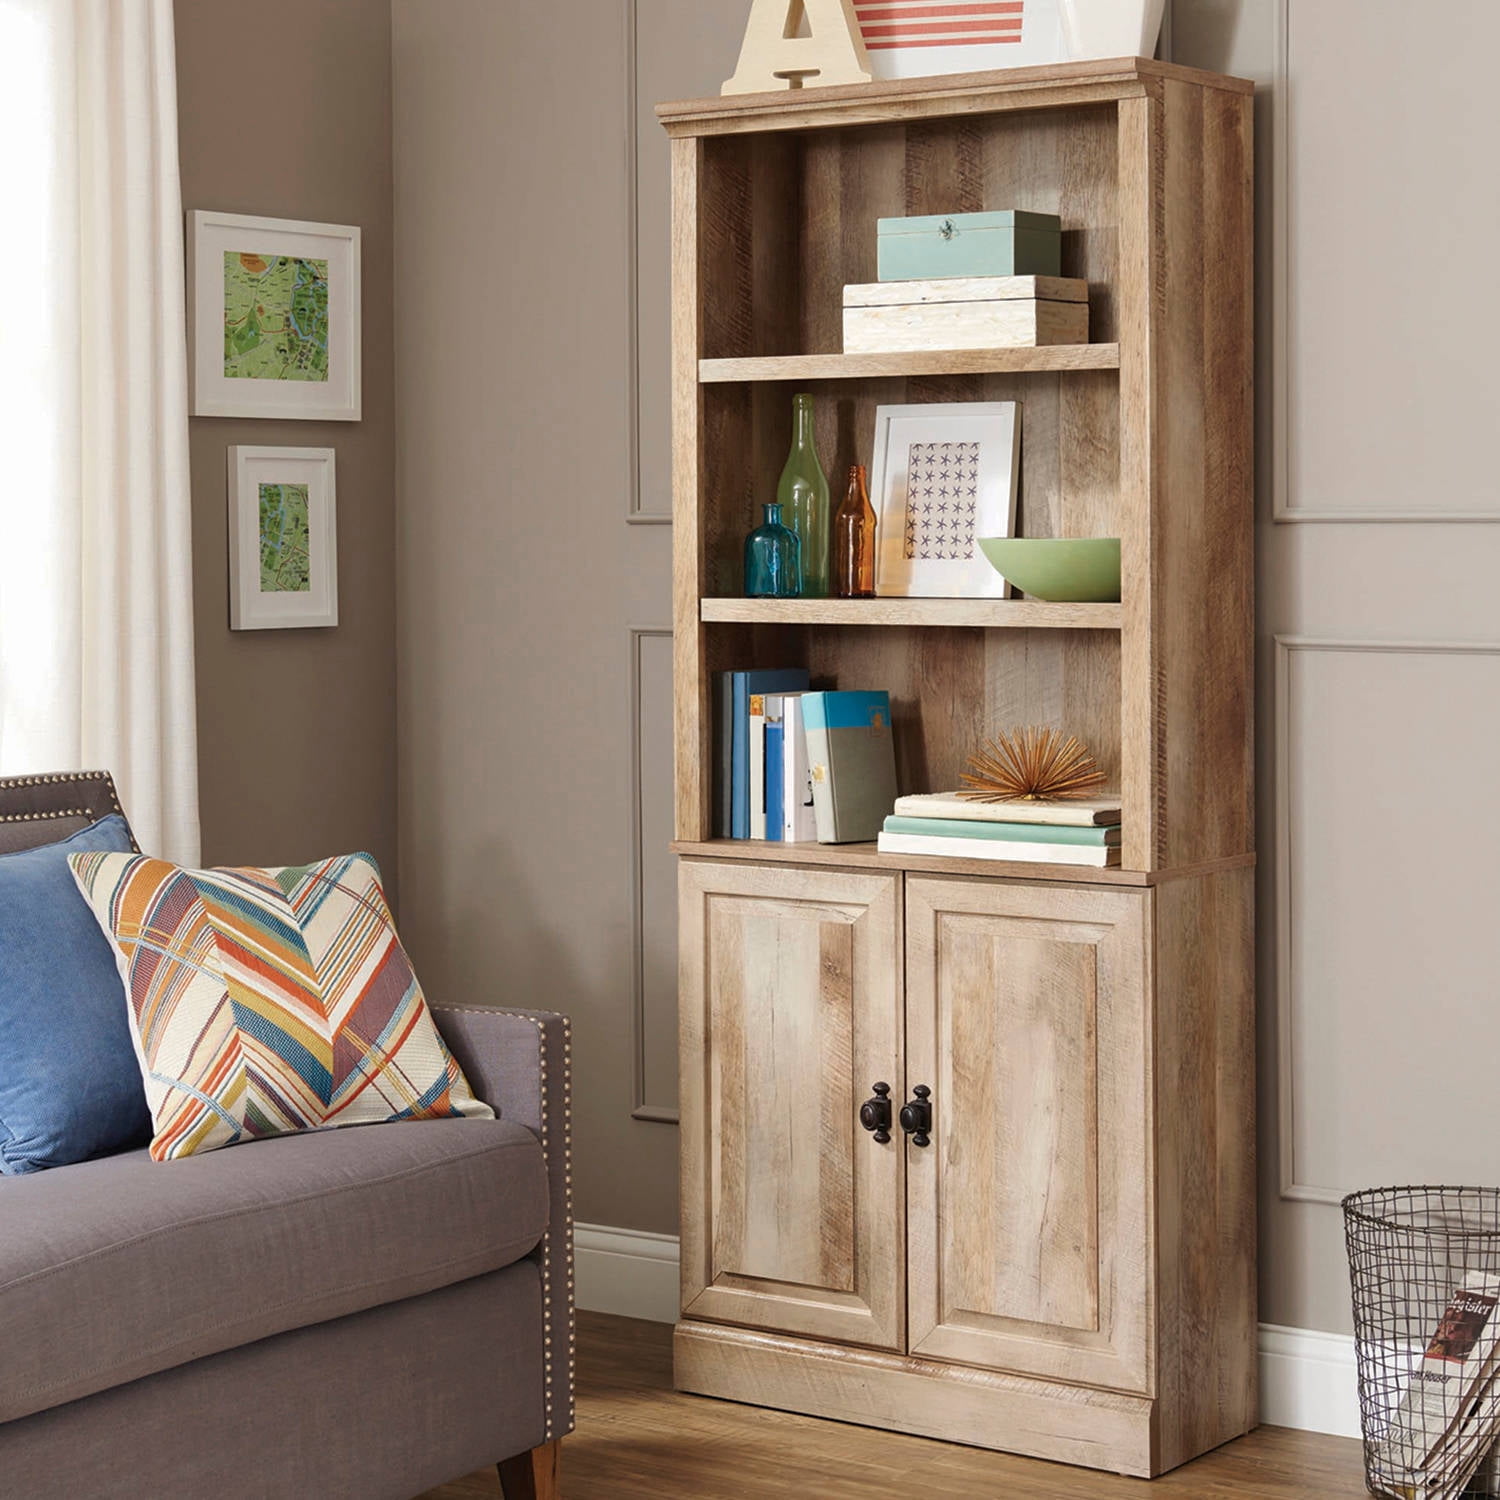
{"type": "Point", "coordinates": [1031, 765]}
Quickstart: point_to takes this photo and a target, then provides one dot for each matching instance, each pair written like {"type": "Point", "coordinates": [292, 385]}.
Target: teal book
{"type": "Point", "coordinates": [1021, 833]}
{"type": "Point", "coordinates": [851, 757]}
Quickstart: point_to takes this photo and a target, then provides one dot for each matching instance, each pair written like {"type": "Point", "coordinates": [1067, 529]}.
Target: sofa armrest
{"type": "Point", "coordinates": [520, 1063]}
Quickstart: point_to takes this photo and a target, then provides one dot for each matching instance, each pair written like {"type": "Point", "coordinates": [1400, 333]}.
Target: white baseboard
{"type": "Point", "coordinates": [1306, 1378]}
{"type": "Point", "coordinates": [626, 1271]}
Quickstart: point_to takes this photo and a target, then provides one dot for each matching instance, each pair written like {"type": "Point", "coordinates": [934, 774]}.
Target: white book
{"type": "Point", "coordinates": [960, 848]}
{"type": "Point", "coordinates": [757, 765]}
{"type": "Point", "coordinates": [798, 823]}
{"type": "Point", "coordinates": [1080, 812]}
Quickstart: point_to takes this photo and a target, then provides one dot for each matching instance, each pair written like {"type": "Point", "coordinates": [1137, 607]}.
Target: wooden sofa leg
{"type": "Point", "coordinates": [533, 1475]}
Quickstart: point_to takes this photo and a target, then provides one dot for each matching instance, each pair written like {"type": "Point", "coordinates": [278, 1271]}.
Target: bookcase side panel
{"type": "Point", "coordinates": [692, 733]}
{"type": "Point", "coordinates": [1204, 1037]}
{"type": "Point", "coordinates": [1135, 294]}
{"type": "Point", "coordinates": [1204, 516]}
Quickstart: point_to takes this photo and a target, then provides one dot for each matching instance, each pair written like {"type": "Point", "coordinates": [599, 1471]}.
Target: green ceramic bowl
{"type": "Point", "coordinates": [1062, 570]}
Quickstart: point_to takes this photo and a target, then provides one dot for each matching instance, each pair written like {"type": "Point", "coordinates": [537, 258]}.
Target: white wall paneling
{"type": "Point", "coordinates": [1384, 384]}
{"type": "Point", "coordinates": [1387, 831]}
{"type": "Point", "coordinates": [653, 878]}
{"type": "Point", "coordinates": [658, 510]}
{"type": "Point", "coordinates": [678, 49]}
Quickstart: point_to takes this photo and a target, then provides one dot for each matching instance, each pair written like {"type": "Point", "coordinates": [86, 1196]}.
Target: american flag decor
{"type": "Point", "coordinates": [920, 23]}
{"type": "Point", "coordinates": [909, 38]}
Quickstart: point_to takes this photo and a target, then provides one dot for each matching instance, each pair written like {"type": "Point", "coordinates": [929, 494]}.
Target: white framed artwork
{"type": "Point", "coordinates": [273, 309]}
{"type": "Point", "coordinates": [943, 476]}
{"type": "Point", "coordinates": [918, 38]}
{"type": "Point", "coordinates": [283, 539]}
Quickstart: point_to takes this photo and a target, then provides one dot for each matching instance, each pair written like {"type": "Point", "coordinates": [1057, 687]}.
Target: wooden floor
{"type": "Point", "coordinates": [638, 1439]}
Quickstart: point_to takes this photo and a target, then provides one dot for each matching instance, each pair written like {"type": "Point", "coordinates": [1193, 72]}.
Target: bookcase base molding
{"type": "Point", "coordinates": [957, 1404]}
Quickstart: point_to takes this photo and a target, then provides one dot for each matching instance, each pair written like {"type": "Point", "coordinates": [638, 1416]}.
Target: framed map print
{"type": "Point", "coordinates": [944, 475]}
{"type": "Point", "coordinates": [273, 307]}
{"type": "Point", "coordinates": [283, 539]}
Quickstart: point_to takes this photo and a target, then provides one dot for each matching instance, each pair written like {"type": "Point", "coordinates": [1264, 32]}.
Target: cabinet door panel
{"type": "Point", "coordinates": [792, 1215]}
{"type": "Point", "coordinates": [1028, 1214]}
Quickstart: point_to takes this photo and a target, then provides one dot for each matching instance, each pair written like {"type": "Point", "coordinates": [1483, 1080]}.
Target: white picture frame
{"type": "Point", "coordinates": [924, 549]}
{"type": "Point", "coordinates": [302, 566]}
{"type": "Point", "coordinates": [257, 276]}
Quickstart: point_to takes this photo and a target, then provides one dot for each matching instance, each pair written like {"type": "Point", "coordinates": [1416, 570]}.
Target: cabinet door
{"type": "Point", "coordinates": [790, 1003]}
{"type": "Point", "coordinates": [1027, 1242]}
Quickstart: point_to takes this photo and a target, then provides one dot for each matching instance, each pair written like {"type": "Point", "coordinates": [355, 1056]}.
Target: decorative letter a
{"type": "Point", "coordinates": [775, 56]}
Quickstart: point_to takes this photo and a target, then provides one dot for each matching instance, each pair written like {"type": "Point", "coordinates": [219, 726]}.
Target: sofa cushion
{"type": "Point", "coordinates": [116, 1268]}
{"type": "Point", "coordinates": [268, 1001]}
{"type": "Point", "coordinates": [69, 1084]}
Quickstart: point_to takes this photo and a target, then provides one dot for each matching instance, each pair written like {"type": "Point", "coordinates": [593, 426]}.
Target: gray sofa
{"type": "Point", "coordinates": [365, 1312]}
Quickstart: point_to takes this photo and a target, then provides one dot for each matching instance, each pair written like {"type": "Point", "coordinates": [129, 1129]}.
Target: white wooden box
{"type": "Point", "coordinates": [965, 312]}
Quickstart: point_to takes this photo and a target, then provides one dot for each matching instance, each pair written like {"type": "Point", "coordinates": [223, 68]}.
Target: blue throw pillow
{"type": "Point", "coordinates": [70, 1087]}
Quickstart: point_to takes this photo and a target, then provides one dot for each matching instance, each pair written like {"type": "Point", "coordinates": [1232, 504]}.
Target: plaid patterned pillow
{"type": "Point", "coordinates": [268, 1001]}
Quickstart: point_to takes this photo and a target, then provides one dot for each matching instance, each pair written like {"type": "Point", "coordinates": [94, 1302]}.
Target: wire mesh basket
{"type": "Point", "coordinates": [1424, 1265]}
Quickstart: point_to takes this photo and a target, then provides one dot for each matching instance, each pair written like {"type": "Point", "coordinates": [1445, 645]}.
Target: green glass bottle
{"type": "Point", "coordinates": [803, 496]}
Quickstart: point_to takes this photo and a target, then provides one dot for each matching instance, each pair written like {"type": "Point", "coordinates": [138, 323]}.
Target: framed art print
{"type": "Point", "coordinates": [283, 539]}
{"type": "Point", "coordinates": [943, 476]}
{"type": "Point", "coordinates": [273, 306]}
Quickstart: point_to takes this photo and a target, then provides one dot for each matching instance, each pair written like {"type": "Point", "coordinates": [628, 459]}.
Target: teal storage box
{"type": "Point", "coordinates": [1011, 242]}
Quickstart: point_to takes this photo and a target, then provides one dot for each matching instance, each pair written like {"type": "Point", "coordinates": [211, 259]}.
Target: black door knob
{"type": "Point", "coordinates": [875, 1114]}
{"type": "Point", "coordinates": [916, 1116]}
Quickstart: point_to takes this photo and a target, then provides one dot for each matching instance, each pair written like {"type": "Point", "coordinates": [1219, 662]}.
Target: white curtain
{"type": "Point", "coordinates": [96, 626]}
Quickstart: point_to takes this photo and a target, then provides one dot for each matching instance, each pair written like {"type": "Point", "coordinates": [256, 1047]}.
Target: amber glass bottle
{"type": "Point", "coordinates": [854, 541]}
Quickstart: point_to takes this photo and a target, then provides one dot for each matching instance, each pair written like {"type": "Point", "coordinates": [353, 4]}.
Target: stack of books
{"type": "Point", "coordinates": [796, 766]}
{"type": "Point", "coordinates": [1079, 832]}
{"type": "Point", "coordinates": [739, 789]}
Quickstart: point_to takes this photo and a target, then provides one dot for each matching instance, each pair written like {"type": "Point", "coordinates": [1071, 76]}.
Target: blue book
{"type": "Point", "coordinates": [774, 680]}
{"type": "Point", "coordinates": [774, 811]}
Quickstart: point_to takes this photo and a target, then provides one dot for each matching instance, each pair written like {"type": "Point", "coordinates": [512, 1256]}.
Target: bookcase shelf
{"type": "Point", "coordinates": [1047, 358]}
{"type": "Point", "coordinates": [1017, 614]}
{"type": "Point", "coordinates": [868, 857]}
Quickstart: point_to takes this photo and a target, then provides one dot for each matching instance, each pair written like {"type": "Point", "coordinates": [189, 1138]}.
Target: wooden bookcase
{"type": "Point", "coordinates": [1068, 1268]}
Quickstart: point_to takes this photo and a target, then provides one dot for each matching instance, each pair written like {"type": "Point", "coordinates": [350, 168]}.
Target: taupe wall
{"type": "Point", "coordinates": [520, 578]}
{"type": "Point", "coordinates": [521, 583]}
{"type": "Point", "coordinates": [285, 111]}
{"type": "Point", "coordinates": [1379, 708]}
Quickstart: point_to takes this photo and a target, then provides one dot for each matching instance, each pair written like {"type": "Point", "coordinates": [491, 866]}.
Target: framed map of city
{"type": "Point", "coordinates": [274, 309]}
{"type": "Point", "coordinates": [283, 539]}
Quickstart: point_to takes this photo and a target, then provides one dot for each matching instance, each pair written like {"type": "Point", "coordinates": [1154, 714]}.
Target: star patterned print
{"type": "Point", "coordinates": [942, 498]}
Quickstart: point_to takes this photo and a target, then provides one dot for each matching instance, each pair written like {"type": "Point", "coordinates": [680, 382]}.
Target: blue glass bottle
{"type": "Point", "coordinates": [773, 559]}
